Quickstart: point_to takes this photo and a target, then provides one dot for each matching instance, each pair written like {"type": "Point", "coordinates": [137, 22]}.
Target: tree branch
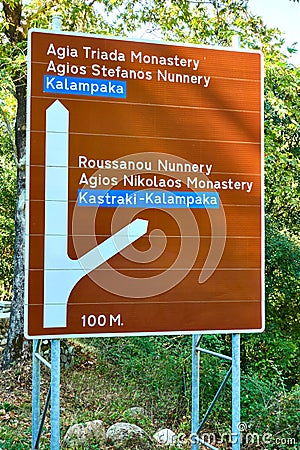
{"type": "Point", "coordinates": [13, 15]}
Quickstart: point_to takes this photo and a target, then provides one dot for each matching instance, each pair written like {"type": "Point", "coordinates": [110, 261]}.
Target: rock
{"type": "Point", "coordinates": [66, 352]}
{"type": "Point", "coordinates": [81, 434]}
{"type": "Point", "coordinates": [3, 333]}
{"type": "Point", "coordinates": [166, 437]}
{"type": "Point", "coordinates": [136, 412]}
{"type": "Point", "coordinates": [71, 350]}
{"type": "Point", "coordinates": [123, 435]}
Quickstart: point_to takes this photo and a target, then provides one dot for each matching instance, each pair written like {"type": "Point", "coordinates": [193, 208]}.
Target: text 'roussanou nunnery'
{"type": "Point", "coordinates": [150, 189]}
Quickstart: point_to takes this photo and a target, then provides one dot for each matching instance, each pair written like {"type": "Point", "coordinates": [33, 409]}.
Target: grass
{"type": "Point", "coordinates": [111, 375]}
{"type": "Point", "coordinates": [90, 390]}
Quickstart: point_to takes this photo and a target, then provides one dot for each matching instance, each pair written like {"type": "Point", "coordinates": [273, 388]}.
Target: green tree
{"type": "Point", "coordinates": [12, 52]}
{"type": "Point", "coordinates": [7, 197]}
{"type": "Point", "coordinates": [282, 187]}
{"type": "Point", "coordinates": [16, 18]}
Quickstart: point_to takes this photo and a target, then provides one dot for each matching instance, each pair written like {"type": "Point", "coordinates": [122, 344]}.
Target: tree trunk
{"type": "Point", "coordinates": [14, 346]}
{"type": "Point", "coordinates": [15, 35]}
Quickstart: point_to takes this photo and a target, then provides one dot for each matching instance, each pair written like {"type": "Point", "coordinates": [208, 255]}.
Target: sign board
{"type": "Point", "coordinates": [144, 193]}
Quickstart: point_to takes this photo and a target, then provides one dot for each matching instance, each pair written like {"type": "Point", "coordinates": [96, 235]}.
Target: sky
{"type": "Point", "coordinates": [282, 14]}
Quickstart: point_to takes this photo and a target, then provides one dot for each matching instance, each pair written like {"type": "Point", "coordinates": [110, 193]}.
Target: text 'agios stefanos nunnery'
{"type": "Point", "coordinates": [98, 60]}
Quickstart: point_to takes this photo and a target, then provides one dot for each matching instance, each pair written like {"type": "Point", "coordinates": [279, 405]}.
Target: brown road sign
{"type": "Point", "coordinates": [144, 194]}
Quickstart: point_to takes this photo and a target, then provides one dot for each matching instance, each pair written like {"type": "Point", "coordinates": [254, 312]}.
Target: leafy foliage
{"type": "Point", "coordinates": [201, 22]}
{"type": "Point", "coordinates": [282, 281]}
{"type": "Point", "coordinates": [157, 371]}
{"type": "Point", "coordinates": [271, 412]}
{"type": "Point", "coordinates": [7, 199]}
{"type": "Point", "coordinates": [282, 145]}
{"type": "Point", "coordinates": [7, 202]}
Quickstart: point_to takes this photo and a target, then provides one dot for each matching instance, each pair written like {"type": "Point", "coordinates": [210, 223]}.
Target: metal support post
{"type": "Point", "coordinates": [56, 23]}
{"type": "Point", "coordinates": [234, 369]}
{"type": "Point", "coordinates": [36, 379]}
{"type": "Point", "coordinates": [55, 394]}
{"type": "Point", "coordinates": [38, 419]}
{"type": "Point", "coordinates": [236, 396]}
{"type": "Point", "coordinates": [195, 391]}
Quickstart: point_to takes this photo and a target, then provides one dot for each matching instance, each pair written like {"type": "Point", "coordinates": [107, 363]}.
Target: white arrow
{"type": "Point", "coordinates": [61, 273]}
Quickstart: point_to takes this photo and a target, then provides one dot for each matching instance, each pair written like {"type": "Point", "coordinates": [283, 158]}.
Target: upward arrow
{"type": "Point", "coordinates": [62, 273]}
